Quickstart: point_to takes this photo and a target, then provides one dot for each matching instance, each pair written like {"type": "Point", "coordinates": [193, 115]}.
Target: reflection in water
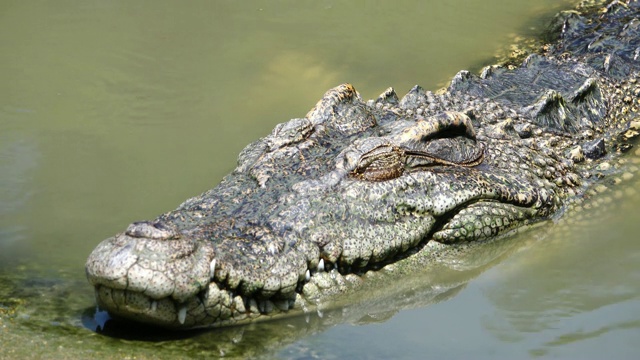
{"type": "Point", "coordinates": [434, 279]}
{"type": "Point", "coordinates": [580, 284]}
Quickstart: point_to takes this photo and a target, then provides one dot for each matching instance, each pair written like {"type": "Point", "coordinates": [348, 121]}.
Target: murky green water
{"type": "Point", "coordinates": [117, 111]}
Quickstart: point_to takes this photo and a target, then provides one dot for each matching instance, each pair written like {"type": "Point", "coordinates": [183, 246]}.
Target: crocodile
{"type": "Point", "coordinates": [358, 186]}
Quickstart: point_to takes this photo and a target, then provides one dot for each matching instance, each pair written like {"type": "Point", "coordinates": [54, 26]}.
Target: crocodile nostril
{"type": "Point", "coordinates": [161, 226]}
{"type": "Point", "coordinates": [155, 230]}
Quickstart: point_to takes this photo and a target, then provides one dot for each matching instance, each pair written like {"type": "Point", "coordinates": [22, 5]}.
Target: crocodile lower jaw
{"type": "Point", "coordinates": [221, 307]}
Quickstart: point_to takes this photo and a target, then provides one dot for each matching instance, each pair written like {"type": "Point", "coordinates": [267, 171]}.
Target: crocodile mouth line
{"type": "Point", "coordinates": [220, 304]}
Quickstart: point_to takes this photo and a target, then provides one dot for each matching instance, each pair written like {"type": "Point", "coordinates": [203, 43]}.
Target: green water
{"type": "Point", "coordinates": [112, 112]}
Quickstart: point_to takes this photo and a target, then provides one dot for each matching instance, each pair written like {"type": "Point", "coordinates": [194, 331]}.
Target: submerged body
{"type": "Point", "coordinates": [355, 186]}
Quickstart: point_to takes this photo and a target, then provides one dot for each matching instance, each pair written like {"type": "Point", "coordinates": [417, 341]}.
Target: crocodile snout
{"type": "Point", "coordinates": [155, 263]}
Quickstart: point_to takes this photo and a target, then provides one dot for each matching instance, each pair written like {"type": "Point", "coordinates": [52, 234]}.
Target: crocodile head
{"type": "Point", "coordinates": [353, 186]}
{"type": "Point", "coordinates": [348, 189]}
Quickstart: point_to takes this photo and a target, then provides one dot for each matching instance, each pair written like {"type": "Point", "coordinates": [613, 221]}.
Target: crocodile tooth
{"type": "Point", "coordinates": [212, 268]}
{"type": "Point", "coordinates": [253, 305]}
{"type": "Point", "coordinates": [182, 314]}
{"type": "Point", "coordinates": [266, 306]}
{"type": "Point", "coordinates": [307, 276]}
{"type": "Point", "coordinates": [320, 313]}
{"type": "Point", "coordinates": [154, 305]}
{"type": "Point", "coordinates": [321, 265]}
{"type": "Point", "coordinates": [307, 318]}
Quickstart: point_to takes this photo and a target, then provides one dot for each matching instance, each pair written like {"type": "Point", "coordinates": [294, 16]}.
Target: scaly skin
{"type": "Point", "coordinates": [356, 186]}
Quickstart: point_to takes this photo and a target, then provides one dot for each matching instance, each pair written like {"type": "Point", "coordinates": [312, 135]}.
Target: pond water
{"type": "Point", "coordinates": [117, 111]}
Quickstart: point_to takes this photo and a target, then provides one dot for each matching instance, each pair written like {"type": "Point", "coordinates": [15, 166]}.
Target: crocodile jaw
{"type": "Point", "coordinates": [148, 278]}
{"type": "Point", "coordinates": [126, 272]}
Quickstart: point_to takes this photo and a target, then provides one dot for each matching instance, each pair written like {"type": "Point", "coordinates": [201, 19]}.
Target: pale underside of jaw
{"type": "Point", "coordinates": [219, 307]}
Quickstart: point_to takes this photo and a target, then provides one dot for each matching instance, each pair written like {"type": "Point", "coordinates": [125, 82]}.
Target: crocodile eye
{"type": "Point", "coordinates": [382, 163]}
